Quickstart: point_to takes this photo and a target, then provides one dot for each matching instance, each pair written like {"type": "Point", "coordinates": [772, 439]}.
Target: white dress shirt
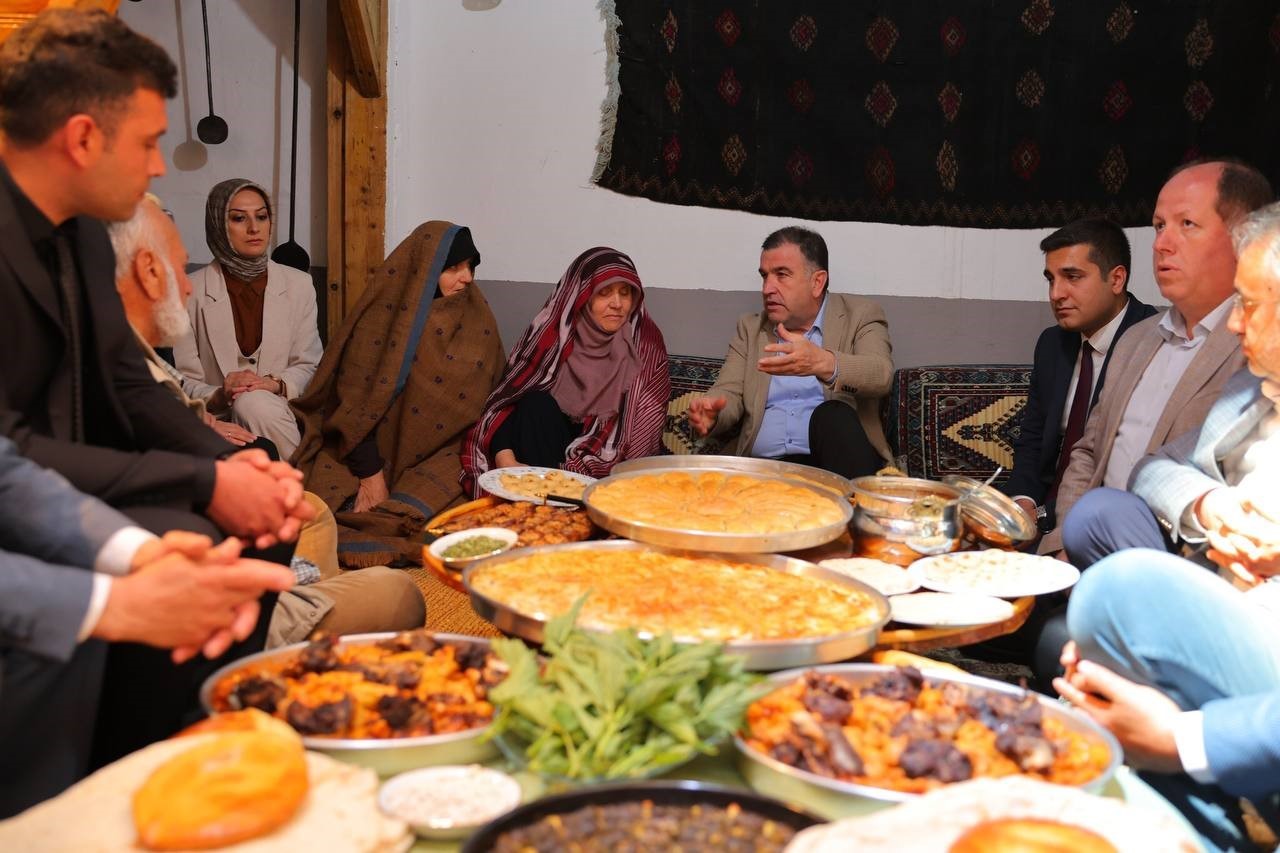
{"type": "Point", "coordinates": [1152, 393]}
{"type": "Point", "coordinates": [112, 560]}
{"type": "Point", "coordinates": [1101, 342]}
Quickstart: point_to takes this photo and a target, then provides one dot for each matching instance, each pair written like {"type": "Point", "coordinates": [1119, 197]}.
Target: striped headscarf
{"type": "Point", "coordinates": [635, 429]}
{"type": "Point", "coordinates": [215, 229]}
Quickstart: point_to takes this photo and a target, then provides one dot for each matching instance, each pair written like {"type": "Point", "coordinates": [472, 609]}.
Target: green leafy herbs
{"type": "Point", "coordinates": [610, 706]}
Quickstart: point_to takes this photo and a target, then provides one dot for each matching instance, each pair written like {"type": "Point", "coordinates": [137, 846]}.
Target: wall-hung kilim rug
{"type": "Point", "coordinates": [993, 114]}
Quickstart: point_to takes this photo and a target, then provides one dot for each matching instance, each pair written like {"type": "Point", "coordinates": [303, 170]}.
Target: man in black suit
{"type": "Point", "coordinates": [82, 108]}
{"type": "Point", "coordinates": [1086, 265]}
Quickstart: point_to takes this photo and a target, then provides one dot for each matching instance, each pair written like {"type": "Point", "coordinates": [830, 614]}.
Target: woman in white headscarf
{"type": "Point", "coordinates": [254, 343]}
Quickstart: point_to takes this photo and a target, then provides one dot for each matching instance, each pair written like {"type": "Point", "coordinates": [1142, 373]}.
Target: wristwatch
{"type": "Point", "coordinates": [283, 391]}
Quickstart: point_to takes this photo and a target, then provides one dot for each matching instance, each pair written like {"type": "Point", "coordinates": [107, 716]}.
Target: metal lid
{"type": "Point", "coordinates": [990, 515]}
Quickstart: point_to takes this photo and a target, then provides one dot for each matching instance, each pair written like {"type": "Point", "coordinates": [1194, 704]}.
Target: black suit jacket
{"type": "Point", "coordinates": [1035, 452]}
{"type": "Point", "coordinates": [142, 447]}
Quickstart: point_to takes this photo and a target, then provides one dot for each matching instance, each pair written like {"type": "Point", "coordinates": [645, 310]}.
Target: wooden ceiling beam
{"type": "Point", "coordinates": [366, 36]}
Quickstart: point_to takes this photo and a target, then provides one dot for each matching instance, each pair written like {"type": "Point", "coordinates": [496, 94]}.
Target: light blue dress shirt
{"type": "Point", "coordinates": [784, 429]}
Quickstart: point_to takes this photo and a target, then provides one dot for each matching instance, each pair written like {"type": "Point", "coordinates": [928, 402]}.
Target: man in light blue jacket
{"type": "Point", "coordinates": [74, 575]}
{"type": "Point", "coordinates": [1182, 665]}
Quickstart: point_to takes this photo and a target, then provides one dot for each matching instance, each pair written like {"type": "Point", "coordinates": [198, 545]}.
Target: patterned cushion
{"type": "Point", "coordinates": [691, 376]}
{"type": "Point", "coordinates": [959, 419]}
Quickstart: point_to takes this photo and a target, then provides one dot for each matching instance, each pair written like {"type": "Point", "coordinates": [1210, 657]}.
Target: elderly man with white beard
{"type": "Point", "coordinates": [152, 281]}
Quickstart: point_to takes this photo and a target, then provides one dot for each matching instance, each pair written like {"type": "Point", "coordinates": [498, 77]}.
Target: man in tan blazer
{"type": "Point", "coordinates": [1168, 370]}
{"type": "Point", "coordinates": [803, 379]}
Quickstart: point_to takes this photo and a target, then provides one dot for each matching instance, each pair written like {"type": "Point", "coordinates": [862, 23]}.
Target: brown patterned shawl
{"type": "Point", "coordinates": [418, 370]}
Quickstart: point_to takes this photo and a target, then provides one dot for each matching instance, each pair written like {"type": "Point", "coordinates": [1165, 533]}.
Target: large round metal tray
{"type": "Point", "coordinates": [749, 464]}
{"type": "Point", "coordinates": [833, 798]}
{"type": "Point", "coordinates": [684, 793]}
{"type": "Point", "coordinates": [387, 756]}
{"type": "Point", "coordinates": [758, 654]}
{"type": "Point", "coordinates": [737, 543]}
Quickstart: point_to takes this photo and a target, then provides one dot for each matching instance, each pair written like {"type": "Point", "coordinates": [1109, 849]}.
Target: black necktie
{"type": "Point", "coordinates": [1078, 415]}
{"type": "Point", "coordinates": [69, 283]}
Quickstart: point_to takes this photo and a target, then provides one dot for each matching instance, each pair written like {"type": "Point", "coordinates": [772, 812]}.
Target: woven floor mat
{"type": "Point", "coordinates": [448, 609]}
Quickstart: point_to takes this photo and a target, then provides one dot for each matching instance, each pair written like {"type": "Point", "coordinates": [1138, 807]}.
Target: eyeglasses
{"type": "Point", "coordinates": [1247, 306]}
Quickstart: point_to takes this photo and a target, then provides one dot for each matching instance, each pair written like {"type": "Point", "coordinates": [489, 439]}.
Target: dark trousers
{"type": "Point", "coordinates": [145, 697]}
{"type": "Point", "coordinates": [47, 710]}
{"type": "Point", "coordinates": [838, 443]}
{"type": "Point", "coordinates": [536, 431]}
{"type": "Point", "coordinates": [1101, 523]}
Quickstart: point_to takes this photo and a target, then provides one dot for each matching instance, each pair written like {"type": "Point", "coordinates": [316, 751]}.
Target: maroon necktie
{"type": "Point", "coordinates": [1075, 420]}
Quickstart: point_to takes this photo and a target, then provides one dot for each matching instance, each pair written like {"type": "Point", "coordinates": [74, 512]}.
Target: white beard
{"type": "Point", "coordinates": [170, 315]}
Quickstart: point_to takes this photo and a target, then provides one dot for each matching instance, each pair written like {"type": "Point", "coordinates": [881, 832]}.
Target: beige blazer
{"type": "Point", "coordinates": [290, 347]}
{"type": "Point", "coordinates": [855, 330]}
{"type": "Point", "coordinates": [1190, 402]}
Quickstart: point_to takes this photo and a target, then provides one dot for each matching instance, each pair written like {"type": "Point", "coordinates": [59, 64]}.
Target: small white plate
{"type": "Point", "coordinates": [444, 543]}
{"type": "Point", "coordinates": [450, 801]}
{"type": "Point", "coordinates": [1004, 574]}
{"type": "Point", "coordinates": [491, 482]}
{"type": "Point", "coordinates": [944, 609]}
{"type": "Point", "coordinates": [884, 578]}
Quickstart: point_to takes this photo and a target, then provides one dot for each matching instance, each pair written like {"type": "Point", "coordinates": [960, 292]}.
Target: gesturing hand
{"type": "Point", "coordinates": [703, 412]}
{"type": "Point", "coordinates": [1141, 718]}
{"type": "Point", "coordinates": [797, 356]}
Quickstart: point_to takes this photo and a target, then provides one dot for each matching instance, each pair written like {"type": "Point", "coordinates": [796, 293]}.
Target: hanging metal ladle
{"type": "Point", "coordinates": [212, 129]}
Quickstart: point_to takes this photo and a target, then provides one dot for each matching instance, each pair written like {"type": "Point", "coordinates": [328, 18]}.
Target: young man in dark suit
{"type": "Point", "coordinates": [1086, 265]}
{"type": "Point", "coordinates": [82, 108]}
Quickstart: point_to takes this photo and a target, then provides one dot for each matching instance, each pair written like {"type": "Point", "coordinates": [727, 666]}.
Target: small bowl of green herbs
{"type": "Point", "coordinates": [461, 549]}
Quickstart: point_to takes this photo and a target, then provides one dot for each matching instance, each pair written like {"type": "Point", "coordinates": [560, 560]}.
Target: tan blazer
{"type": "Point", "coordinates": [290, 347]}
{"type": "Point", "coordinates": [854, 328]}
{"type": "Point", "coordinates": [1190, 402]}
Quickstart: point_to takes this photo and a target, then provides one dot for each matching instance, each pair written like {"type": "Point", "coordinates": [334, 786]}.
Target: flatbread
{"type": "Point", "coordinates": [340, 813]}
{"type": "Point", "coordinates": [884, 578]}
{"type": "Point", "coordinates": [932, 823]}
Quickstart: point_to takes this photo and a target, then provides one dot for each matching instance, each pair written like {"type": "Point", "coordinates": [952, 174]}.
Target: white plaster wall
{"type": "Point", "coordinates": [493, 122]}
{"type": "Point", "coordinates": [252, 55]}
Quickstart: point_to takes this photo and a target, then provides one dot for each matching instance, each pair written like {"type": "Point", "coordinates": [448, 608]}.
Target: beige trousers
{"type": "Point", "coordinates": [268, 415]}
{"type": "Point", "coordinates": [343, 602]}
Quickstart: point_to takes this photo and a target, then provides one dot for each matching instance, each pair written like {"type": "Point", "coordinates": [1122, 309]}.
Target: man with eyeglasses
{"type": "Point", "coordinates": [1165, 374]}
{"type": "Point", "coordinates": [1184, 669]}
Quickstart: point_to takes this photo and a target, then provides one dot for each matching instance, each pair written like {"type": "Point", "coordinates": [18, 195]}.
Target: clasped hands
{"type": "Point", "coordinates": [258, 499]}
{"type": "Point", "coordinates": [186, 594]}
{"type": "Point", "coordinates": [239, 382]}
{"type": "Point", "coordinates": [1243, 528]}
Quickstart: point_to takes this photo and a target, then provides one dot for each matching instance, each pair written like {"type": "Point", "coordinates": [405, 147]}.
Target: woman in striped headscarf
{"type": "Point", "coordinates": [587, 385]}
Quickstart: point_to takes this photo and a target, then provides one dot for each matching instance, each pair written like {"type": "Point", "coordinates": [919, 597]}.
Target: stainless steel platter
{"type": "Point", "coordinates": [833, 798]}
{"type": "Point", "coordinates": [748, 464]}
{"type": "Point", "coordinates": [737, 543]}
{"type": "Point", "coordinates": [759, 654]}
{"type": "Point", "coordinates": [387, 756]}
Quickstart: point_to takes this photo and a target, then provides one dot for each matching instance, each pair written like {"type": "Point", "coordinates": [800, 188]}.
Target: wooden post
{"type": "Point", "coordinates": [357, 147]}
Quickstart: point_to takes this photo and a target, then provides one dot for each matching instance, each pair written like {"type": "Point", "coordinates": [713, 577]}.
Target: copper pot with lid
{"type": "Point", "coordinates": [901, 519]}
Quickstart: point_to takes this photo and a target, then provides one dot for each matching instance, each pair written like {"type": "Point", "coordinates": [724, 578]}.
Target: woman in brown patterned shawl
{"type": "Point", "coordinates": [405, 377]}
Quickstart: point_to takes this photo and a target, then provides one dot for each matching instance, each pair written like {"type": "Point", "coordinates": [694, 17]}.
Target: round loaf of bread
{"type": "Point", "coordinates": [226, 789]}
{"type": "Point", "coordinates": [1030, 835]}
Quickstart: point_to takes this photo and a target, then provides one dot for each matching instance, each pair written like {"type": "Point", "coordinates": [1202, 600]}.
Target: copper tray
{"type": "Point", "coordinates": [386, 756]}
{"type": "Point", "coordinates": [759, 654]}
{"type": "Point", "coordinates": [737, 543]}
